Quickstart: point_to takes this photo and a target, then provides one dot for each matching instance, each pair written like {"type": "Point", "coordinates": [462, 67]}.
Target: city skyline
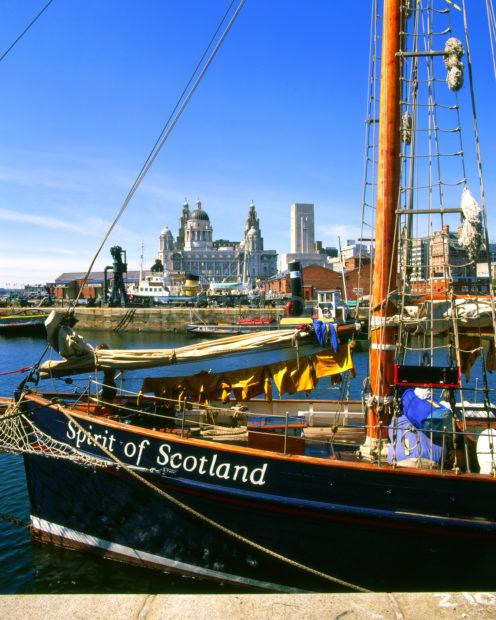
{"type": "Point", "coordinates": [86, 92]}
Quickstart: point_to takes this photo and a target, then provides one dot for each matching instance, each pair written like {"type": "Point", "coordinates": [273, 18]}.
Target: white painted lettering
{"type": "Point", "coordinates": [100, 439]}
{"type": "Point", "coordinates": [164, 450]}
{"type": "Point", "coordinates": [223, 471]}
{"type": "Point", "coordinates": [194, 463]}
{"type": "Point", "coordinates": [485, 598]}
{"type": "Point", "coordinates": [445, 600]}
{"type": "Point", "coordinates": [203, 465]}
{"type": "Point", "coordinates": [71, 433]}
{"type": "Point", "coordinates": [111, 443]}
{"type": "Point", "coordinates": [469, 598]}
{"type": "Point", "coordinates": [141, 447]}
{"type": "Point", "coordinates": [258, 474]}
{"type": "Point", "coordinates": [81, 438]}
{"type": "Point", "coordinates": [174, 457]}
{"type": "Point", "coordinates": [130, 449]}
{"type": "Point", "coordinates": [203, 461]}
{"type": "Point", "coordinates": [237, 469]}
{"type": "Point", "coordinates": [211, 471]}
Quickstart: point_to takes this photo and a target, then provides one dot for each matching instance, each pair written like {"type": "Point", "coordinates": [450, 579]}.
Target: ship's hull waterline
{"type": "Point", "coordinates": [22, 325]}
{"type": "Point", "coordinates": [332, 515]}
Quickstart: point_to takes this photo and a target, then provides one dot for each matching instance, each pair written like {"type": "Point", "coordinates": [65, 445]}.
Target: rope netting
{"type": "Point", "coordinates": [20, 435]}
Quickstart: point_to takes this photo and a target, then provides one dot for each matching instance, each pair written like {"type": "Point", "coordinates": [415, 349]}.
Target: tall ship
{"type": "Point", "coordinates": [208, 471]}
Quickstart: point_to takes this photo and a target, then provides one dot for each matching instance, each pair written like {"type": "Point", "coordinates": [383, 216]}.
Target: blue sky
{"type": "Point", "coordinates": [278, 118]}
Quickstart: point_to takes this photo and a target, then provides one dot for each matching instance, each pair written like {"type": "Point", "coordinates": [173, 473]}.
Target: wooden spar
{"type": "Point", "coordinates": [381, 356]}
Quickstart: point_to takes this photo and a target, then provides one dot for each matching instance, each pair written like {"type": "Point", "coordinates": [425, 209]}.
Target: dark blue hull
{"type": "Point", "coordinates": [382, 529]}
{"type": "Point", "coordinates": [19, 325]}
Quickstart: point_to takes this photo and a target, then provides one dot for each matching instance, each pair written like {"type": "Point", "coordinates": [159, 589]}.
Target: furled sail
{"type": "Point", "coordinates": [437, 316]}
{"type": "Point", "coordinates": [81, 357]}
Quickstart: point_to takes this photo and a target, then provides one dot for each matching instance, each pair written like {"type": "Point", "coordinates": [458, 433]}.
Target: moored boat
{"type": "Point", "coordinates": [23, 322]}
{"type": "Point", "coordinates": [307, 508]}
{"type": "Point", "coordinates": [148, 477]}
{"type": "Point", "coordinates": [242, 326]}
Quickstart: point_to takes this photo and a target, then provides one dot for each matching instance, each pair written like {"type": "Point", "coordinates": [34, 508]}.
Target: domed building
{"type": "Point", "coordinates": [195, 251]}
{"type": "Point", "coordinates": [198, 230]}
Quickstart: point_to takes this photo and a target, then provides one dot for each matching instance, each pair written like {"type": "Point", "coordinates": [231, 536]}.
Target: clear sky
{"type": "Point", "coordinates": [279, 118]}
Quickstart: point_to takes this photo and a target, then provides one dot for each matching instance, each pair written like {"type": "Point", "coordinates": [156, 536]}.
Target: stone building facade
{"type": "Point", "coordinates": [195, 251]}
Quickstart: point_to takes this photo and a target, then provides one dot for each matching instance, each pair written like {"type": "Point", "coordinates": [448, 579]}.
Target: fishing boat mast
{"type": "Point", "coordinates": [141, 261]}
{"type": "Point", "coordinates": [383, 339]}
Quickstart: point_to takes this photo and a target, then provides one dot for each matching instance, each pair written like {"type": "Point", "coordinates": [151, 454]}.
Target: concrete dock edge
{"type": "Point", "coordinates": [397, 606]}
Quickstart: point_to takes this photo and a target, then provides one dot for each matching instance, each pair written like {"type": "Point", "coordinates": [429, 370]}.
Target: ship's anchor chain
{"type": "Point", "coordinates": [202, 517]}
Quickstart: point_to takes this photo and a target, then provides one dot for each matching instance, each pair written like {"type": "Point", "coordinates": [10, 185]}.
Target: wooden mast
{"type": "Point", "coordinates": [382, 349]}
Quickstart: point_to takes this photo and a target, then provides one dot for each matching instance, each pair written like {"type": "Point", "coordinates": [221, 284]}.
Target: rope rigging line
{"type": "Point", "coordinates": [370, 155]}
{"type": "Point", "coordinates": [15, 521]}
{"type": "Point", "coordinates": [174, 117]}
{"type": "Point", "coordinates": [31, 23]}
{"type": "Point", "coordinates": [164, 134]}
{"type": "Point", "coordinates": [449, 265]}
{"type": "Point", "coordinates": [409, 101]}
{"type": "Point", "coordinates": [11, 372]}
{"type": "Point", "coordinates": [479, 165]}
{"type": "Point", "coordinates": [491, 23]}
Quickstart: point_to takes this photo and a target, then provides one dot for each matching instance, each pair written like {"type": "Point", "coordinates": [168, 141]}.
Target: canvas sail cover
{"type": "Point", "coordinates": [438, 316]}
{"type": "Point", "coordinates": [289, 377]}
{"type": "Point", "coordinates": [81, 357]}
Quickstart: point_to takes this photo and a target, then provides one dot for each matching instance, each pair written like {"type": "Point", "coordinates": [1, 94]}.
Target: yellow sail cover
{"type": "Point", "coordinates": [298, 375]}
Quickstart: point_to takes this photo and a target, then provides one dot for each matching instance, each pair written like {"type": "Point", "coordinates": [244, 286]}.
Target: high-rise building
{"type": "Point", "coordinates": [303, 246]}
{"type": "Point", "coordinates": [302, 228]}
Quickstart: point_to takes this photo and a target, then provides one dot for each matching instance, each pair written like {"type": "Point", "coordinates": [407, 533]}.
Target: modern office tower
{"type": "Point", "coordinates": [303, 248]}
{"type": "Point", "coordinates": [302, 228]}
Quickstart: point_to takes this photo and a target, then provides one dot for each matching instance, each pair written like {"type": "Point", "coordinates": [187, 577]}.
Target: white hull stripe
{"type": "Point", "coordinates": [149, 558]}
